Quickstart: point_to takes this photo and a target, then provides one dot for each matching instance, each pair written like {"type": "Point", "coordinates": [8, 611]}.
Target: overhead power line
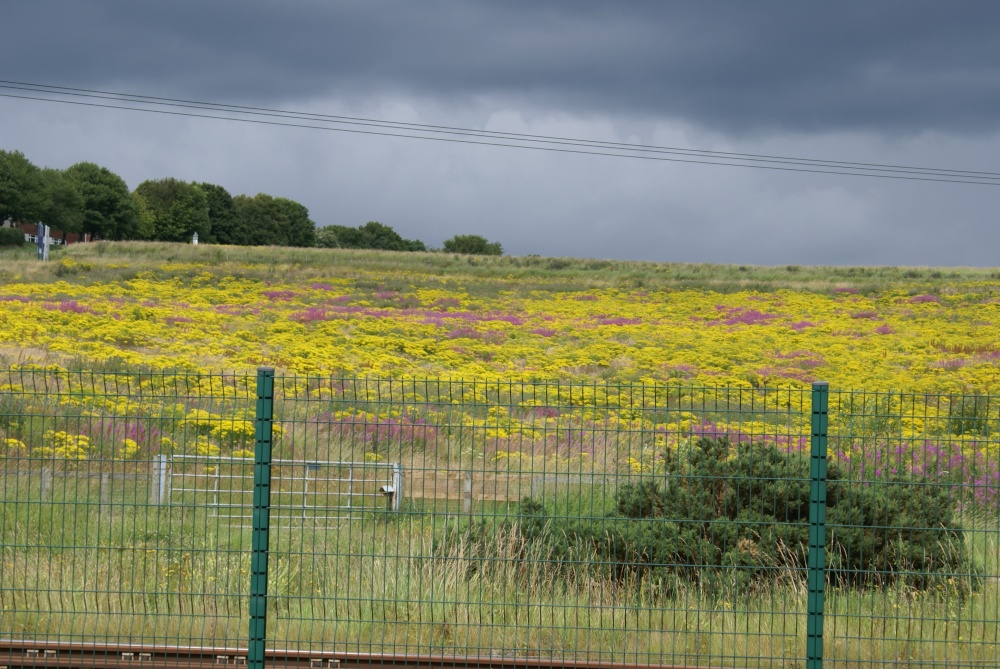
{"type": "Point", "coordinates": [379, 127]}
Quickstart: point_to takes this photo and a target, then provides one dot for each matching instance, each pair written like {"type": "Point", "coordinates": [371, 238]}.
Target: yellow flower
{"type": "Point", "coordinates": [14, 446]}
{"type": "Point", "coordinates": [202, 446]}
{"type": "Point", "coordinates": [128, 450]}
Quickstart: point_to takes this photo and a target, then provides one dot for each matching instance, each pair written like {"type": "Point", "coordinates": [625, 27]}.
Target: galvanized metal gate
{"type": "Point", "coordinates": [301, 490]}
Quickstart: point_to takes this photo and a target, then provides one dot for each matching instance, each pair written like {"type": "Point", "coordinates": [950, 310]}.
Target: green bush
{"type": "Point", "coordinates": [327, 238]}
{"type": "Point", "coordinates": [736, 523]}
{"type": "Point", "coordinates": [11, 237]}
{"type": "Point", "coordinates": [473, 245]}
{"type": "Point", "coordinates": [371, 235]}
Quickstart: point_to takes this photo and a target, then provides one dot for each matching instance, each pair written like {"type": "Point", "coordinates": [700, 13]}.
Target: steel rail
{"type": "Point", "coordinates": [29, 654]}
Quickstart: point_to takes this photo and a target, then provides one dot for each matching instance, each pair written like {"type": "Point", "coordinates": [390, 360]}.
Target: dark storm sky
{"type": "Point", "coordinates": [890, 82]}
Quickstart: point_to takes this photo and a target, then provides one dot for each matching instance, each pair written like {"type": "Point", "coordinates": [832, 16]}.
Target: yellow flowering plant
{"type": "Point", "coordinates": [189, 316]}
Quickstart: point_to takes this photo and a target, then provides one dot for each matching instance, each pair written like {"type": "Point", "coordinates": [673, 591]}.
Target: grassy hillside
{"type": "Point", "coordinates": [522, 273]}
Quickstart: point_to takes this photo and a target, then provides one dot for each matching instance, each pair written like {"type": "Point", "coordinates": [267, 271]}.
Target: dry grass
{"type": "Point", "coordinates": [104, 261]}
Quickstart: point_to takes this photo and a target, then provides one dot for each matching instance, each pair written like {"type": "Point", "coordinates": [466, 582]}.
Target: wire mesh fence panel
{"type": "Point", "coordinates": [636, 523]}
{"type": "Point", "coordinates": [914, 529]}
{"type": "Point", "coordinates": [92, 549]}
{"type": "Point", "coordinates": [601, 522]}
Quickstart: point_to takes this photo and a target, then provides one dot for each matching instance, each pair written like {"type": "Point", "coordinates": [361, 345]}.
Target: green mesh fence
{"type": "Point", "coordinates": [94, 546]}
{"type": "Point", "coordinates": [913, 529]}
{"type": "Point", "coordinates": [668, 525]}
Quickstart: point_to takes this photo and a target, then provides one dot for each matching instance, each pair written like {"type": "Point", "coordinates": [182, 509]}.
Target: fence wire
{"type": "Point", "coordinates": [646, 524]}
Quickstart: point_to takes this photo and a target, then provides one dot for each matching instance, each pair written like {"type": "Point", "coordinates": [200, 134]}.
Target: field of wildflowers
{"type": "Point", "coordinates": [321, 312]}
{"type": "Point", "coordinates": [926, 343]}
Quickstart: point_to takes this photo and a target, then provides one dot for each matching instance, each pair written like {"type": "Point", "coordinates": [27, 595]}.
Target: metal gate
{"type": "Point", "coordinates": [301, 490]}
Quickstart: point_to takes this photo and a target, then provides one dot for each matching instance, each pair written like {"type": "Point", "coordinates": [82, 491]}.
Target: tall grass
{"type": "Point", "coordinates": [482, 275]}
{"type": "Point", "coordinates": [415, 583]}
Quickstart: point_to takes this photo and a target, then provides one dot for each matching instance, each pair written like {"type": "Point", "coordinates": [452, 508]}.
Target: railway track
{"type": "Point", "coordinates": [16, 654]}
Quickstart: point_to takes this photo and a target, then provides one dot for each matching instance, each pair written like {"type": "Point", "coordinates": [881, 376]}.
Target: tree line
{"type": "Point", "coordinates": [88, 199]}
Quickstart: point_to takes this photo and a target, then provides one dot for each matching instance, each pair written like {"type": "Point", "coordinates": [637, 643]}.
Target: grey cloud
{"type": "Point", "coordinates": [554, 204]}
{"type": "Point", "coordinates": [896, 66]}
{"type": "Point", "coordinates": [903, 82]}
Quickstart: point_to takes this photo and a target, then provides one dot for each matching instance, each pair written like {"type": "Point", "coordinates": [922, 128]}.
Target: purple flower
{"type": "Point", "coordinates": [741, 316]}
{"type": "Point", "coordinates": [311, 314]}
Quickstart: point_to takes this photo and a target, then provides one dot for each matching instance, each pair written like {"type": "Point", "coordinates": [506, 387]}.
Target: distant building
{"type": "Point", "coordinates": [30, 231]}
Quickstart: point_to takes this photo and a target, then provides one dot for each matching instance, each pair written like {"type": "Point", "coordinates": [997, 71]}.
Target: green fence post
{"type": "Point", "coordinates": [261, 517]}
{"type": "Point", "coordinates": [817, 526]}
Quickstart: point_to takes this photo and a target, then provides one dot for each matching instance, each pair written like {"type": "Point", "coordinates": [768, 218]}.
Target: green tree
{"type": "Point", "coordinates": [473, 245]}
{"type": "Point", "coordinates": [179, 209]}
{"type": "Point", "coordinates": [265, 219]}
{"type": "Point", "coordinates": [347, 238]}
{"type": "Point", "coordinates": [374, 235]}
{"type": "Point", "coordinates": [109, 210]}
{"type": "Point", "coordinates": [23, 196]}
{"type": "Point", "coordinates": [145, 218]}
{"type": "Point", "coordinates": [326, 237]}
{"type": "Point", "coordinates": [299, 229]}
{"type": "Point", "coordinates": [228, 227]}
{"type": "Point", "coordinates": [64, 212]}
{"type": "Point", "coordinates": [275, 221]}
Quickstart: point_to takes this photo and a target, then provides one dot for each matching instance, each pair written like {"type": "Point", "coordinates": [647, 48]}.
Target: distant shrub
{"type": "Point", "coordinates": [11, 237]}
{"type": "Point", "coordinates": [371, 235]}
{"type": "Point", "coordinates": [473, 245]}
{"type": "Point", "coordinates": [737, 523]}
{"type": "Point", "coordinates": [327, 238]}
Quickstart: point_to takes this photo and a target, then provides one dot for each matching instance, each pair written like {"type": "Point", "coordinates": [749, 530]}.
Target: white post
{"type": "Point", "coordinates": [105, 492]}
{"type": "Point", "coordinates": [467, 493]}
{"type": "Point", "coordinates": [166, 484]}
{"type": "Point", "coordinates": [397, 485]}
{"type": "Point", "coordinates": [305, 491]}
{"type": "Point", "coordinates": [158, 480]}
{"type": "Point", "coordinates": [46, 490]}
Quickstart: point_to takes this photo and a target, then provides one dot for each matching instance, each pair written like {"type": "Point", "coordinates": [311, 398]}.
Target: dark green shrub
{"type": "Point", "coordinates": [473, 245]}
{"type": "Point", "coordinates": [738, 522]}
{"type": "Point", "coordinates": [327, 238]}
{"type": "Point", "coordinates": [11, 237]}
{"type": "Point", "coordinates": [969, 415]}
{"type": "Point", "coordinates": [371, 235]}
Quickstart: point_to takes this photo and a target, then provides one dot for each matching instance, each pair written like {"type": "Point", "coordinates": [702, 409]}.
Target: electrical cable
{"type": "Point", "coordinates": [456, 130]}
{"type": "Point", "coordinates": [452, 134]}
